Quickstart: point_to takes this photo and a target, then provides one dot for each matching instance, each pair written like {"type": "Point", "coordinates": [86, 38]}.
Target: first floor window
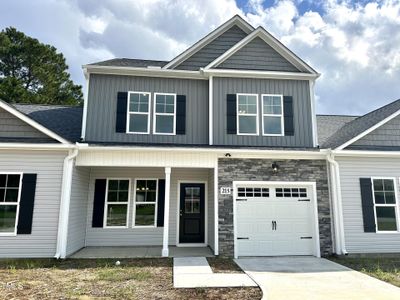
{"type": "Point", "coordinates": [139, 112]}
{"type": "Point", "coordinates": [164, 113]}
{"type": "Point", "coordinates": [117, 202]}
{"type": "Point", "coordinates": [272, 113]}
{"type": "Point", "coordinates": [247, 114]}
{"type": "Point", "coordinates": [145, 202]}
{"type": "Point", "coordinates": [385, 204]}
{"type": "Point", "coordinates": [9, 200]}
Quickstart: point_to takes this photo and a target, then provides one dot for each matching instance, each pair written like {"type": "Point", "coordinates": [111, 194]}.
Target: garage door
{"type": "Point", "coordinates": [274, 220]}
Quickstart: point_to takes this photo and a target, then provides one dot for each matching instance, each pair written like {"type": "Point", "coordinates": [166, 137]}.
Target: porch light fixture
{"type": "Point", "coordinates": [275, 167]}
{"type": "Point", "coordinates": [228, 155]}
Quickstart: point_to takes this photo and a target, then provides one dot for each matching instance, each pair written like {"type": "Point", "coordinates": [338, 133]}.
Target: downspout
{"type": "Point", "coordinates": [64, 204]}
{"type": "Point", "coordinates": [337, 204]}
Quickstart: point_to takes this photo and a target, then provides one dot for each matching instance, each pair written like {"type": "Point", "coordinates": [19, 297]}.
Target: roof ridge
{"type": "Point", "coordinates": [338, 115]}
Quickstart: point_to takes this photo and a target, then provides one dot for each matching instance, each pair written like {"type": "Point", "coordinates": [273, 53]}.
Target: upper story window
{"type": "Point", "coordinates": [272, 115]}
{"type": "Point", "coordinates": [385, 204]}
{"type": "Point", "coordinates": [10, 188]}
{"type": "Point", "coordinates": [247, 114]}
{"type": "Point", "coordinates": [164, 113]}
{"type": "Point", "coordinates": [139, 112]}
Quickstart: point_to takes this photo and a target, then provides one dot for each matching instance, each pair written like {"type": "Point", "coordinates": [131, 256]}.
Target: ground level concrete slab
{"type": "Point", "coordinates": [283, 278]}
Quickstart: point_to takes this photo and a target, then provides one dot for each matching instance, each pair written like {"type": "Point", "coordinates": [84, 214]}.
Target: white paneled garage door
{"type": "Point", "coordinates": [274, 220]}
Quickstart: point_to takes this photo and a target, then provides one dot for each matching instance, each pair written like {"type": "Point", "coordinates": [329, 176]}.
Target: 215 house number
{"type": "Point", "coordinates": [225, 191]}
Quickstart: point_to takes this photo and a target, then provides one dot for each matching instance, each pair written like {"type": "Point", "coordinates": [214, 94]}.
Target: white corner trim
{"type": "Point", "coordinates": [165, 250]}
{"type": "Point", "coordinates": [210, 111]}
{"type": "Point", "coordinates": [85, 103]}
{"type": "Point", "coordinates": [372, 128]}
{"type": "Point", "coordinates": [31, 122]}
{"type": "Point", "coordinates": [313, 113]}
{"type": "Point", "coordinates": [216, 212]}
{"type": "Point", "coordinates": [236, 20]}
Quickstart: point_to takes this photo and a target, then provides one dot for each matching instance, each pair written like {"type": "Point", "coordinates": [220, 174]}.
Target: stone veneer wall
{"type": "Point", "coordinates": [235, 169]}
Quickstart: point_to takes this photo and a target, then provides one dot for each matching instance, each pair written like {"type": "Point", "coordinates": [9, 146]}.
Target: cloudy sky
{"type": "Point", "coordinates": [355, 45]}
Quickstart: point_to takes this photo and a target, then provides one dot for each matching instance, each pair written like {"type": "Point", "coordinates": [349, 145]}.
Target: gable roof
{"type": "Point", "coordinates": [271, 41]}
{"type": "Point", "coordinates": [235, 20]}
{"type": "Point", "coordinates": [130, 62]}
{"type": "Point", "coordinates": [361, 126]}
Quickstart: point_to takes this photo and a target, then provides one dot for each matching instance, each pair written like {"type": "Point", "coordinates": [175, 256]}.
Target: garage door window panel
{"type": "Point", "coordinates": [385, 204]}
{"type": "Point", "coordinates": [253, 192]}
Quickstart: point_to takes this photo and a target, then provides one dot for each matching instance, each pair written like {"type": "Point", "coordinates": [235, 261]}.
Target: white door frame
{"type": "Point", "coordinates": [311, 184]}
{"type": "Point", "coordinates": [178, 206]}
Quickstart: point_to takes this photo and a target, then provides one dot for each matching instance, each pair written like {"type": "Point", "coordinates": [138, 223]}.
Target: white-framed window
{"type": "Point", "coordinates": [145, 203]}
{"type": "Point", "coordinates": [164, 120]}
{"type": "Point", "coordinates": [272, 115]}
{"type": "Point", "coordinates": [116, 206]}
{"type": "Point", "coordinates": [10, 194]}
{"type": "Point", "coordinates": [384, 192]}
{"type": "Point", "coordinates": [247, 114]}
{"type": "Point", "coordinates": [138, 120]}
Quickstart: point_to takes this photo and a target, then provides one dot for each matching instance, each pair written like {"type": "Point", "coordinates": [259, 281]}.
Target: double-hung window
{"type": "Point", "coordinates": [145, 213]}
{"type": "Point", "coordinates": [10, 190]}
{"type": "Point", "coordinates": [164, 113]}
{"type": "Point", "coordinates": [385, 204]}
{"type": "Point", "coordinates": [247, 114]}
{"type": "Point", "coordinates": [272, 114]}
{"type": "Point", "coordinates": [138, 113]}
{"type": "Point", "coordinates": [117, 203]}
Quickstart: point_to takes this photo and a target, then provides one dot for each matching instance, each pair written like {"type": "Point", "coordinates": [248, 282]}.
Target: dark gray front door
{"type": "Point", "coordinates": [192, 212]}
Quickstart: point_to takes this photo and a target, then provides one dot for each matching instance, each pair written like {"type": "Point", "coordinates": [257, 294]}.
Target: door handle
{"type": "Point", "coordinates": [180, 213]}
{"type": "Point", "coordinates": [273, 225]}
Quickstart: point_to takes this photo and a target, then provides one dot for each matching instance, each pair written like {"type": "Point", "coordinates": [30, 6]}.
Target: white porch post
{"type": "Point", "coordinates": [166, 211]}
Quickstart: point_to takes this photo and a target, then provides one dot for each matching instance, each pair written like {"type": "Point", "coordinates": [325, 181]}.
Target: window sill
{"type": "Point", "coordinates": [264, 134]}
{"type": "Point", "coordinates": [8, 234]}
{"type": "Point", "coordinates": [247, 134]}
{"type": "Point", "coordinates": [141, 133]}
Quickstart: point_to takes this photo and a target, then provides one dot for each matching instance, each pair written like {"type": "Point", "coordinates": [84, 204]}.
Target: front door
{"type": "Point", "coordinates": [192, 209]}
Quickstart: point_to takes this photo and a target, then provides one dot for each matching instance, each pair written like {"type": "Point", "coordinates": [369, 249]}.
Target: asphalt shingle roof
{"type": "Point", "coordinates": [66, 121]}
{"type": "Point", "coordinates": [130, 62]}
{"type": "Point", "coordinates": [327, 125]}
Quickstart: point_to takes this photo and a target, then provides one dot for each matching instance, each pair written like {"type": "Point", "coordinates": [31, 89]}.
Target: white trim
{"type": "Point", "coordinates": [236, 20]}
{"type": "Point", "coordinates": [259, 74]}
{"type": "Point", "coordinates": [178, 244]}
{"type": "Point", "coordinates": [135, 203]}
{"type": "Point", "coordinates": [31, 122]}
{"type": "Point", "coordinates": [272, 115]}
{"type": "Point", "coordinates": [216, 208]}
{"type": "Point", "coordinates": [155, 114]}
{"type": "Point", "coordinates": [372, 128]}
{"type": "Point", "coordinates": [165, 250]}
{"type": "Point", "coordinates": [395, 205]}
{"type": "Point", "coordinates": [17, 204]}
{"type": "Point", "coordinates": [28, 146]}
{"type": "Point", "coordinates": [238, 114]}
{"type": "Point", "coordinates": [210, 111]}
{"type": "Point", "coordinates": [106, 203]}
{"type": "Point", "coordinates": [271, 41]}
{"type": "Point", "coordinates": [310, 184]}
{"type": "Point", "coordinates": [85, 103]}
{"type": "Point", "coordinates": [128, 112]}
{"type": "Point", "coordinates": [313, 113]}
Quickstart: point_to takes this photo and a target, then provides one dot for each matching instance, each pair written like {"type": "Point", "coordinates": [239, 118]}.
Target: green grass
{"type": "Point", "coordinates": [383, 268]}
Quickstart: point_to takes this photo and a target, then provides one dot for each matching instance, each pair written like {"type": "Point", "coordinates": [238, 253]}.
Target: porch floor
{"type": "Point", "coordinates": [145, 251]}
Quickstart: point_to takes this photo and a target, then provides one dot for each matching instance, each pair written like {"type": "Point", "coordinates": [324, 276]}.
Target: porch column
{"type": "Point", "coordinates": [166, 211]}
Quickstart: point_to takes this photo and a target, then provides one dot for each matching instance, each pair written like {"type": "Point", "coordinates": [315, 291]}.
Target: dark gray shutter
{"type": "Point", "coordinates": [288, 115]}
{"type": "Point", "coordinates": [160, 203]}
{"type": "Point", "coordinates": [26, 204]}
{"type": "Point", "coordinates": [180, 114]}
{"type": "Point", "coordinates": [231, 114]}
{"type": "Point", "coordinates": [98, 202]}
{"type": "Point", "coordinates": [122, 104]}
{"type": "Point", "coordinates": [367, 202]}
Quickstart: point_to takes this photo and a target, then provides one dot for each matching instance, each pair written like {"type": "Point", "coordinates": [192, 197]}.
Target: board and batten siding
{"type": "Point", "coordinates": [351, 170]}
{"type": "Point", "coordinates": [139, 236]}
{"type": "Point", "coordinates": [78, 210]}
{"type": "Point", "coordinates": [212, 50]}
{"type": "Point", "coordinates": [298, 89]}
{"type": "Point", "coordinates": [102, 105]}
{"type": "Point", "coordinates": [258, 55]}
{"type": "Point", "coordinates": [48, 166]}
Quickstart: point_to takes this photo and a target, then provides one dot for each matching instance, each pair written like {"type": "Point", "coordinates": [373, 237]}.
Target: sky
{"type": "Point", "coordinates": [353, 44]}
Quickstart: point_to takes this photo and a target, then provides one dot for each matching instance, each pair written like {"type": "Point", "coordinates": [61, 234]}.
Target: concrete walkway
{"type": "Point", "coordinates": [194, 272]}
{"type": "Point", "coordinates": [293, 278]}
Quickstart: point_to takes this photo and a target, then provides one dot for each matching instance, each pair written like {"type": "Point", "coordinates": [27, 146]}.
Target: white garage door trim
{"type": "Point", "coordinates": [311, 184]}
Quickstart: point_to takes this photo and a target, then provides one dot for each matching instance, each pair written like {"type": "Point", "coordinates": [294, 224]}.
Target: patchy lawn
{"type": "Point", "coordinates": [383, 268]}
{"type": "Point", "coordinates": [223, 265]}
{"type": "Point", "coordinates": [89, 279]}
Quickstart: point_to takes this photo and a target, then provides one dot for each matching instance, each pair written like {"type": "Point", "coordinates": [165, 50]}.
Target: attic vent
{"type": "Point", "coordinates": [153, 67]}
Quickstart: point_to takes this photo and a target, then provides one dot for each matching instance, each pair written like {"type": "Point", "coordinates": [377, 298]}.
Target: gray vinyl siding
{"type": "Point", "coordinates": [351, 170]}
{"type": "Point", "coordinates": [13, 127]}
{"type": "Point", "coordinates": [258, 55]}
{"type": "Point", "coordinates": [298, 89]}
{"type": "Point", "coordinates": [78, 210]}
{"type": "Point", "coordinates": [138, 236]}
{"type": "Point", "coordinates": [48, 166]}
{"type": "Point", "coordinates": [388, 135]}
{"type": "Point", "coordinates": [102, 105]}
{"type": "Point", "coordinates": [214, 49]}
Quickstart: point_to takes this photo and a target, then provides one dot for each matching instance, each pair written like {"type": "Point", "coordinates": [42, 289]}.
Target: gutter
{"type": "Point", "coordinates": [340, 244]}
{"type": "Point", "coordinates": [65, 204]}
{"type": "Point", "coordinates": [44, 146]}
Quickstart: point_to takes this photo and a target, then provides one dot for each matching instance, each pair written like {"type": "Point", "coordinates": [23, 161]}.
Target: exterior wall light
{"type": "Point", "coordinates": [275, 167]}
{"type": "Point", "coordinates": [228, 155]}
